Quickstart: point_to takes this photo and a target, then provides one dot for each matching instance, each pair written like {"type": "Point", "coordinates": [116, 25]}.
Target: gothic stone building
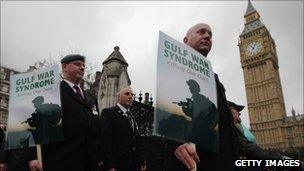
{"type": "Point", "coordinates": [268, 120]}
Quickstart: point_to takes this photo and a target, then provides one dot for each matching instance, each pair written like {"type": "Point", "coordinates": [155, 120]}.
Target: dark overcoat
{"type": "Point", "coordinates": [118, 141]}
{"type": "Point", "coordinates": [79, 149]}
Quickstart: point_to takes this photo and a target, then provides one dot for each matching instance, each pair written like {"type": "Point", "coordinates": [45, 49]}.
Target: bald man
{"type": "Point", "coordinates": [199, 37]}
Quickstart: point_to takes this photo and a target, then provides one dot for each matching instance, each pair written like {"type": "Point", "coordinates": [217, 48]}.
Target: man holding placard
{"type": "Point", "coordinates": [79, 149]}
{"type": "Point", "coordinates": [199, 37]}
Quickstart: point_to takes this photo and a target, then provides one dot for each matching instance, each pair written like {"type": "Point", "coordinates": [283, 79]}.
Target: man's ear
{"type": "Point", "coordinates": [185, 40]}
{"type": "Point", "coordinates": [63, 66]}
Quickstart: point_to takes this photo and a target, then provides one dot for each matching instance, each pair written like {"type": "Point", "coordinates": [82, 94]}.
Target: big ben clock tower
{"type": "Point", "coordinates": [262, 82]}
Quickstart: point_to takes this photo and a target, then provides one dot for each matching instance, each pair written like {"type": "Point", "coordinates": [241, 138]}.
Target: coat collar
{"type": "Point", "coordinates": [123, 109]}
{"type": "Point", "coordinates": [66, 88]}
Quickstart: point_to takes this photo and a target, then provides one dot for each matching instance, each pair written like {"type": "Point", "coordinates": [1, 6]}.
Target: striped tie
{"type": "Point", "coordinates": [131, 120]}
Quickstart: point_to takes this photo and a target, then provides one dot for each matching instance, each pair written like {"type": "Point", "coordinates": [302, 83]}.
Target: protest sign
{"type": "Point", "coordinates": [34, 108]}
{"type": "Point", "coordinates": [186, 101]}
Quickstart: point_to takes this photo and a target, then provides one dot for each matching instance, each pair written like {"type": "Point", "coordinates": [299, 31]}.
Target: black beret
{"type": "Point", "coordinates": [235, 106]}
{"type": "Point", "coordinates": [72, 57]}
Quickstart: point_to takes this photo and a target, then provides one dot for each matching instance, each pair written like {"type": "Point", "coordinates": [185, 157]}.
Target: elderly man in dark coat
{"type": "Point", "coordinates": [118, 134]}
{"type": "Point", "coordinates": [79, 149]}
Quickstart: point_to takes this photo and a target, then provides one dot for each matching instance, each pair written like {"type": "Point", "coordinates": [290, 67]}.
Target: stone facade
{"type": "Point", "coordinates": [4, 93]}
{"type": "Point", "coordinates": [268, 120]}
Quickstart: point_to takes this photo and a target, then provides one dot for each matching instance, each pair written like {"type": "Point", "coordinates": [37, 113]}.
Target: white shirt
{"type": "Point", "coordinates": [124, 110]}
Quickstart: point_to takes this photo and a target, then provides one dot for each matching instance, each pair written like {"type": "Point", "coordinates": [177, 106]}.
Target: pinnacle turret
{"type": "Point", "coordinates": [250, 8]}
{"type": "Point", "coordinates": [116, 55]}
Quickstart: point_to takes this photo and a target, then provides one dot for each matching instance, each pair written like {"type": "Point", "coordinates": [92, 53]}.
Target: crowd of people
{"type": "Point", "coordinates": [109, 142]}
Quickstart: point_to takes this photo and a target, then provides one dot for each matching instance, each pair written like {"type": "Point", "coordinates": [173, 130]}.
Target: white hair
{"type": "Point", "coordinates": [123, 88]}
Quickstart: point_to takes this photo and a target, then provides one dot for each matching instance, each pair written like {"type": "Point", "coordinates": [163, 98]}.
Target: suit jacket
{"type": "Point", "coordinates": [118, 141]}
{"type": "Point", "coordinates": [79, 149]}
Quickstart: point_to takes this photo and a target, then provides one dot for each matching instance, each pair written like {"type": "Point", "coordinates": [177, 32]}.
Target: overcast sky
{"type": "Point", "coordinates": [31, 31]}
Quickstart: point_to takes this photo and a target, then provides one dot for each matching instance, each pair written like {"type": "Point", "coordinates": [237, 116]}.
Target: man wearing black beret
{"type": "Point", "coordinates": [79, 149]}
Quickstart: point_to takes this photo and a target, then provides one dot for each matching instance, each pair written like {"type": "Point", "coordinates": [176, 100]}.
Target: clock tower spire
{"type": "Point", "coordinates": [250, 8]}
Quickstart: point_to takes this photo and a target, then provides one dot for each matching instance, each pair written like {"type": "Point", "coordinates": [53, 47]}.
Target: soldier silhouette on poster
{"type": "Point", "coordinates": [202, 118]}
{"type": "Point", "coordinates": [45, 121]}
{"type": "Point", "coordinates": [203, 127]}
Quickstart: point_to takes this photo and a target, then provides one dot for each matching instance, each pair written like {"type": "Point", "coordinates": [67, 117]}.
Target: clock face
{"type": "Point", "coordinates": [253, 48]}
